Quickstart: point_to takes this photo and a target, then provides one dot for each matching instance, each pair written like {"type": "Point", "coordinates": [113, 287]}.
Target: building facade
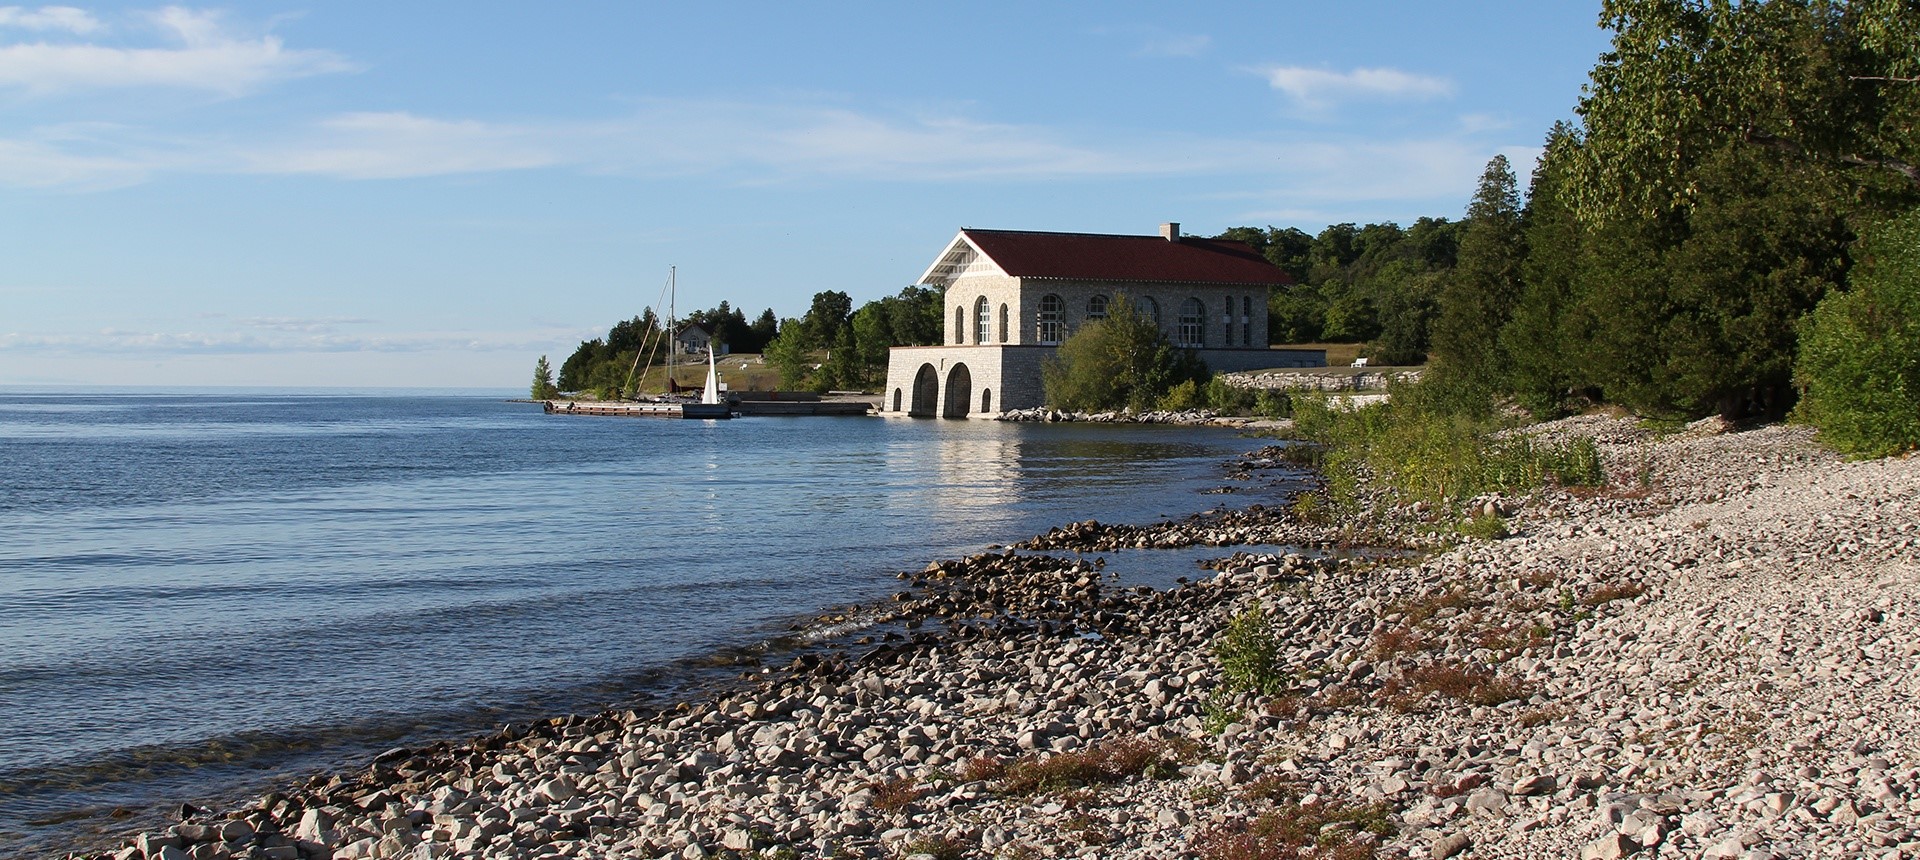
{"type": "Point", "coordinates": [1013, 296]}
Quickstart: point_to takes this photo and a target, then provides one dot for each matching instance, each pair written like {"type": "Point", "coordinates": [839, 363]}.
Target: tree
{"type": "Point", "coordinates": [788, 354]}
{"type": "Point", "coordinates": [1859, 362]}
{"type": "Point", "coordinates": [1479, 296]}
{"type": "Point", "coordinates": [543, 387]}
{"type": "Point", "coordinates": [1123, 361]}
{"type": "Point", "coordinates": [829, 313]}
{"type": "Point", "coordinates": [1535, 339]}
{"type": "Point", "coordinates": [765, 328]}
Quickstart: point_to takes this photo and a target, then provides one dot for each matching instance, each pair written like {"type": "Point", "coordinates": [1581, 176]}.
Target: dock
{"type": "Point", "coordinates": [629, 409]}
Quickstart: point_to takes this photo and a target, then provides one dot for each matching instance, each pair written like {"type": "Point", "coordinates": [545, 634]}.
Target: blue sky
{"type": "Point", "coordinates": [437, 193]}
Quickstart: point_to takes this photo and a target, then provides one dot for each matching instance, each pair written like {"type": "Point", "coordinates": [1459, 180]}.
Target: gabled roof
{"type": "Point", "coordinates": [1104, 257]}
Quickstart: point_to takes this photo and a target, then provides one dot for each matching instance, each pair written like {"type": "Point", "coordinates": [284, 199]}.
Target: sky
{"type": "Point", "coordinates": [437, 193]}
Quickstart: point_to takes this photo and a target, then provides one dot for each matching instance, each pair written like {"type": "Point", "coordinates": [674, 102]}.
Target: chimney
{"type": "Point", "coordinates": [1170, 231]}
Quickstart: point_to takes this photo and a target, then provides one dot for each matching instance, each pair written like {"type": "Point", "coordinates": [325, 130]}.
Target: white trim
{"type": "Point", "coordinates": [960, 259]}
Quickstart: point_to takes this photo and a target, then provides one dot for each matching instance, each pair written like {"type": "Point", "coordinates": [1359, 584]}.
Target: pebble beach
{"type": "Point", "coordinates": [1715, 656]}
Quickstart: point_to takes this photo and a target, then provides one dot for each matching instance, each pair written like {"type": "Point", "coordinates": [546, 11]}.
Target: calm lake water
{"type": "Point", "coordinates": [202, 592]}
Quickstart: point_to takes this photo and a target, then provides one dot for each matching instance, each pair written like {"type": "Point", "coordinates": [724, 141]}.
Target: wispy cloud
{"type": "Point", "coordinates": [200, 52]}
{"type": "Point", "coordinates": [1321, 88]}
{"type": "Point", "coordinates": [60, 18]}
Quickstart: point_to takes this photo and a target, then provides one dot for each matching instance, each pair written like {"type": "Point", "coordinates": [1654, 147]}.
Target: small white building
{"type": "Point", "coordinates": [1013, 296]}
{"type": "Point", "coordinates": [694, 338]}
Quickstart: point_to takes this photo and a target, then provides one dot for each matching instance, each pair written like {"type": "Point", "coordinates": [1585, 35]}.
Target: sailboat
{"type": "Point", "coordinates": [711, 405]}
{"type": "Point", "coordinates": [670, 405]}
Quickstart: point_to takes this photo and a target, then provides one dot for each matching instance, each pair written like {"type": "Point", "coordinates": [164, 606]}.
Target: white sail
{"type": "Point", "coordinates": [712, 392]}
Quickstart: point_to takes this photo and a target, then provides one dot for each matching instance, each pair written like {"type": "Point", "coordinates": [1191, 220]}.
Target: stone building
{"type": "Point", "coordinates": [1013, 296]}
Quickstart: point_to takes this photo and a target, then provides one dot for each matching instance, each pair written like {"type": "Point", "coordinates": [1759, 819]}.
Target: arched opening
{"type": "Point", "coordinates": [1048, 330]}
{"type": "Point", "coordinates": [896, 400]}
{"type": "Point", "coordinates": [959, 325]}
{"type": "Point", "coordinates": [982, 321]}
{"type": "Point", "coordinates": [1193, 325]}
{"type": "Point", "coordinates": [1150, 307]}
{"type": "Point", "coordinates": [1096, 308]}
{"type": "Point", "coordinates": [959, 392]}
{"type": "Point", "coordinates": [1246, 320]}
{"type": "Point", "coordinates": [1003, 322]}
{"type": "Point", "coordinates": [986, 400]}
{"type": "Point", "coordinates": [926, 391]}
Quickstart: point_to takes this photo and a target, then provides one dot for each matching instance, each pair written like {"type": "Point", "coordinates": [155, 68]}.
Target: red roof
{"type": "Point", "coordinates": [1098, 257]}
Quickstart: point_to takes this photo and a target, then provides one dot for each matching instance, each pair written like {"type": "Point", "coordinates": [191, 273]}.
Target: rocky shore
{"type": "Point", "coordinates": [1713, 657]}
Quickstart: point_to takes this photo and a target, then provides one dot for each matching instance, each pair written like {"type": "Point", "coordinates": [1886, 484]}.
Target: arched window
{"type": "Point", "coordinates": [959, 325]}
{"type": "Point", "coordinates": [982, 321]}
{"type": "Point", "coordinates": [1050, 311]}
{"type": "Point", "coordinates": [1193, 324]}
{"type": "Point", "coordinates": [1003, 324]}
{"type": "Point", "coordinates": [1150, 308]}
{"type": "Point", "coordinates": [896, 400]}
{"type": "Point", "coordinates": [1096, 308]}
{"type": "Point", "coordinates": [1246, 320]}
{"type": "Point", "coordinates": [1226, 324]}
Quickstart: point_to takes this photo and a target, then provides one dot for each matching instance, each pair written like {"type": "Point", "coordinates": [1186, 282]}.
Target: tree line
{"type": "Point", "coordinates": [831, 346]}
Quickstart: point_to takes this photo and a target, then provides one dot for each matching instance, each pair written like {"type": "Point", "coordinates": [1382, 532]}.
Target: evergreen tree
{"type": "Point", "coordinates": [1480, 294]}
{"type": "Point", "coordinates": [1537, 340]}
{"type": "Point", "coordinates": [543, 387]}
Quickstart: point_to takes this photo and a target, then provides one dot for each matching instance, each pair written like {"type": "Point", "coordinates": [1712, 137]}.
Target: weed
{"type": "Point", "coordinates": [1109, 762]}
{"type": "Point", "coordinates": [1273, 788]}
{"type": "Point", "coordinates": [1613, 591]}
{"type": "Point", "coordinates": [1484, 527]}
{"type": "Point", "coordinates": [1297, 831]}
{"type": "Point", "coordinates": [1249, 653]}
{"type": "Point", "coordinates": [983, 767]}
{"type": "Point", "coordinates": [1218, 714]}
{"type": "Point", "coordinates": [1455, 680]}
{"type": "Point", "coordinates": [895, 795]}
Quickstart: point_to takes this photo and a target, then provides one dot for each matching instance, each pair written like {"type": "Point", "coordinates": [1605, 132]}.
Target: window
{"type": "Point", "coordinates": [1193, 324]}
{"type": "Point", "coordinates": [1151, 308]}
{"type": "Point", "coordinates": [1003, 324]}
{"type": "Point", "coordinates": [1246, 320]}
{"type": "Point", "coordinates": [982, 321]}
{"type": "Point", "coordinates": [1097, 308]}
{"type": "Point", "coordinates": [959, 325]}
{"type": "Point", "coordinates": [1050, 311]}
{"type": "Point", "coordinates": [1226, 324]}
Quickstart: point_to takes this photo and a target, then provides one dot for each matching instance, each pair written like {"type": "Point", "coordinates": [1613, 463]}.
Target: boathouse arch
{"type": "Point", "coordinates": [926, 392]}
{"type": "Point", "coordinates": [959, 392]}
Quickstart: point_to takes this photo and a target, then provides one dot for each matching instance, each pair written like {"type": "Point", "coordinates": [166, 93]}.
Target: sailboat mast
{"type": "Point", "coordinates": [673, 337]}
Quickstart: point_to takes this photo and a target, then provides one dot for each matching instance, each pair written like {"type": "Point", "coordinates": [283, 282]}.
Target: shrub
{"type": "Point", "coordinates": [1123, 361]}
{"type": "Point", "coordinates": [1108, 762]}
{"type": "Point", "coordinates": [1183, 397]}
{"type": "Point", "coordinates": [1289, 831]}
{"type": "Point", "coordinates": [1485, 527]}
{"type": "Point", "coordinates": [1859, 362]}
{"type": "Point", "coordinates": [1249, 654]}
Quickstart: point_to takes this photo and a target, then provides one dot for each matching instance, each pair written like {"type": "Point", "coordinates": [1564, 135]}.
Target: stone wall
{"type": "Point", "coordinates": [1003, 378]}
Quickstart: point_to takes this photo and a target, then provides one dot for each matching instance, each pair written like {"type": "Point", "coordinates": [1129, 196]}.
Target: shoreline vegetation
{"type": "Point", "coordinates": [1705, 650]}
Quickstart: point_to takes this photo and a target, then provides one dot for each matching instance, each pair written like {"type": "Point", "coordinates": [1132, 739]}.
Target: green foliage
{"type": "Point", "coordinates": [543, 387]}
{"type": "Point", "coordinates": [1187, 395]}
{"type": "Point", "coordinates": [1484, 527]}
{"type": "Point", "coordinates": [1859, 363]}
{"type": "Point", "coordinates": [788, 354]}
{"type": "Point", "coordinates": [1481, 292]}
{"type": "Point", "coordinates": [1422, 446]}
{"type": "Point", "coordinates": [1123, 361]}
{"type": "Point", "coordinates": [1249, 654]}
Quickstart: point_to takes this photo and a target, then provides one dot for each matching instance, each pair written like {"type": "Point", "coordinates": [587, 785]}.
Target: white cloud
{"type": "Point", "coordinates": [203, 55]}
{"type": "Point", "coordinates": [63, 18]}
{"type": "Point", "coordinates": [1320, 88]}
